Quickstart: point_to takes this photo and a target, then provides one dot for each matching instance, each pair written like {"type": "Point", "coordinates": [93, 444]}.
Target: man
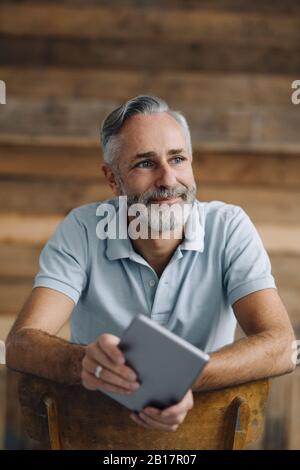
{"type": "Point", "coordinates": [196, 286]}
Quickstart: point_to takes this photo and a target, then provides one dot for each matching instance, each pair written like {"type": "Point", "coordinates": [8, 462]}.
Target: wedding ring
{"type": "Point", "coordinates": [98, 371]}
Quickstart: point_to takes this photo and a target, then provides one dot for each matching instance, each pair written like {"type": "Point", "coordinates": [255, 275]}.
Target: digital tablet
{"type": "Point", "coordinates": [166, 365]}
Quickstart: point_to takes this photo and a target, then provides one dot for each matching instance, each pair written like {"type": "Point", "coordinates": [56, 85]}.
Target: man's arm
{"type": "Point", "coordinates": [32, 346]}
{"type": "Point", "coordinates": [265, 352]}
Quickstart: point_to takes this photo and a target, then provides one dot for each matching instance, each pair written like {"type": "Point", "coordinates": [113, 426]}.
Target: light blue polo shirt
{"type": "Point", "coordinates": [110, 282]}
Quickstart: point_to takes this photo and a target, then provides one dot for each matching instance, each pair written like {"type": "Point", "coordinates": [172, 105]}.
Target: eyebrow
{"type": "Point", "coordinates": [139, 156]}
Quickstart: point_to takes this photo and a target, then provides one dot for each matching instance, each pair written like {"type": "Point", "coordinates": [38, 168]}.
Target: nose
{"type": "Point", "coordinates": [166, 177]}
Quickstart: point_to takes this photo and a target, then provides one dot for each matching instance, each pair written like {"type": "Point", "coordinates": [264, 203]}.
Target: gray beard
{"type": "Point", "coordinates": [164, 217]}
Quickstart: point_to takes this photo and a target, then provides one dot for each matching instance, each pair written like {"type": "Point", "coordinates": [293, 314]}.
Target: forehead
{"type": "Point", "coordinates": [152, 132]}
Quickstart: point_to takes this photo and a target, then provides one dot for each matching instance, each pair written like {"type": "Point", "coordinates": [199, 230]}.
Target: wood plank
{"type": "Point", "coordinates": [86, 142]}
{"type": "Point", "coordinates": [44, 197]}
{"type": "Point", "coordinates": [286, 269]}
{"type": "Point", "coordinates": [265, 206]}
{"type": "Point", "coordinates": [53, 117]}
{"type": "Point", "coordinates": [41, 197]}
{"type": "Point", "coordinates": [13, 293]}
{"type": "Point", "coordinates": [280, 239]}
{"type": "Point", "coordinates": [141, 55]}
{"type": "Point", "coordinates": [19, 260]}
{"type": "Point", "coordinates": [30, 230]}
{"type": "Point", "coordinates": [183, 87]}
{"type": "Point", "coordinates": [172, 25]}
{"type": "Point", "coordinates": [6, 322]}
{"type": "Point", "coordinates": [264, 6]}
{"type": "Point", "coordinates": [65, 141]}
{"type": "Point", "coordinates": [290, 297]}
{"type": "Point", "coordinates": [58, 162]}
{"type": "Point", "coordinates": [51, 162]}
{"type": "Point", "coordinates": [250, 128]}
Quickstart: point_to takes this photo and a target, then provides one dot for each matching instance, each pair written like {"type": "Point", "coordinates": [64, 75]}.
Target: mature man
{"type": "Point", "coordinates": [197, 286]}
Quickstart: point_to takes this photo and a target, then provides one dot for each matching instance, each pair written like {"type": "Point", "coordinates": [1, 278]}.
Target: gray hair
{"type": "Point", "coordinates": [142, 104]}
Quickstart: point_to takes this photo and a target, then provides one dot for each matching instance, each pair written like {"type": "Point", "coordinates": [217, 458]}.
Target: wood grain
{"type": "Point", "coordinates": [84, 163]}
{"type": "Point", "coordinates": [27, 230]}
{"type": "Point", "coordinates": [269, 128]}
{"type": "Point", "coordinates": [174, 25]}
{"type": "Point", "coordinates": [142, 55]}
{"type": "Point", "coordinates": [178, 88]}
{"type": "Point", "coordinates": [268, 206]}
{"type": "Point", "coordinates": [114, 429]}
{"type": "Point", "coordinates": [276, 7]}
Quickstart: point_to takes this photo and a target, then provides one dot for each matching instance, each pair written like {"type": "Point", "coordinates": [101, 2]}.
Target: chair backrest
{"type": "Point", "coordinates": [71, 417]}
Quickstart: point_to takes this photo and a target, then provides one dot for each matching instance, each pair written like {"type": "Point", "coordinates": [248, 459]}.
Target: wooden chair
{"type": "Point", "coordinates": [71, 417]}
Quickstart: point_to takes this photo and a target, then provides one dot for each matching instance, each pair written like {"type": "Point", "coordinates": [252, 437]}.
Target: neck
{"type": "Point", "coordinates": [158, 252]}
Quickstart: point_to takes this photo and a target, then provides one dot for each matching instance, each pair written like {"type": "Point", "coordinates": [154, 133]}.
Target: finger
{"type": "Point", "coordinates": [168, 413]}
{"type": "Point", "coordinates": [96, 354]}
{"type": "Point", "coordinates": [92, 383]}
{"type": "Point", "coordinates": [139, 421]}
{"type": "Point", "coordinates": [157, 424]}
{"type": "Point", "coordinates": [87, 382]}
{"type": "Point", "coordinates": [157, 416]}
{"type": "Point", "coordinates": [109, 376]}
{"type": "Point", "coordinates": [182, 406]}
{"type": "Point", "coordinates": [109, 344]}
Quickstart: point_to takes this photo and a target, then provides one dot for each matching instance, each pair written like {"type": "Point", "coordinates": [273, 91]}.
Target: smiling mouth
{"type": "Point", "coordinates": [170, 200]}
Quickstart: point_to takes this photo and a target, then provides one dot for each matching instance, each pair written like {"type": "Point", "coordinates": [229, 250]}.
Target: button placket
{"type": "Point", "coordinates": [162, 301]}
{"type": "Point", "coordinates": [149, 283]}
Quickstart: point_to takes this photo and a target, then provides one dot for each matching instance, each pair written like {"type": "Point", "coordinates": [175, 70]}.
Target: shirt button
{"type": "Point", "coordinates": [152, 283]}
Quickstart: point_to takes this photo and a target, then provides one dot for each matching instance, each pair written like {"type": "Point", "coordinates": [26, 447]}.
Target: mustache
{"type": "Point", "coordinates": [162, 193]}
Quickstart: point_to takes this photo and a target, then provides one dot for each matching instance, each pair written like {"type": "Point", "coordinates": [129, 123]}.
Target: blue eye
{"type": "Point", "coordinates": [179, 159]}
{"type": "Point", "coordinates": [144, 164]}
{"type": "Point", "coordinates": [150, 163]}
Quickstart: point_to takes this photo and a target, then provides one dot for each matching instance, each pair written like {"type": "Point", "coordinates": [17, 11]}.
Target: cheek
{"type": "Point", "coordinates": [139, 180]}
{"type": "Point", "coordinates": [186, 177]}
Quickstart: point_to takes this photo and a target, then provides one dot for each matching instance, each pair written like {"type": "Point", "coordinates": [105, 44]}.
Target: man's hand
{"type": "Point", "coordinates": [167, 419]}
{"type": "Point", "coordinates": [115, 375]}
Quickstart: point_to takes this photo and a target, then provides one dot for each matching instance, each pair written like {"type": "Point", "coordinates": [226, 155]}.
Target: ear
{"type": "Point", "coordinates": [110, 178]}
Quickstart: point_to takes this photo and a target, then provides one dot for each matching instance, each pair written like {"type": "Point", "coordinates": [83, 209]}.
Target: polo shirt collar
{"type": "Point", "coordinates": [194, 229]}
{"type": "Point", "coordinates": [194, 234]}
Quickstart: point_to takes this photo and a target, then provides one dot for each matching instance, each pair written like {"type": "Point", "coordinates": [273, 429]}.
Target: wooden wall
{"type": "Point", "coordinates": [227, 64]}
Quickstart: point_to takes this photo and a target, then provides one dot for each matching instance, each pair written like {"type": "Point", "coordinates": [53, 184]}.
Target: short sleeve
{"type": "Point", "coordinates": [247, 266]}
{"type": "Point", "coordinates": [63, 259]}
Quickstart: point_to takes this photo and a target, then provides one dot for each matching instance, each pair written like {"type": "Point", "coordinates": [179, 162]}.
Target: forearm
{"type": "Point", "coordinates": [249, 359]}
{"type": "Point", "coordinates": [36, 352]}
